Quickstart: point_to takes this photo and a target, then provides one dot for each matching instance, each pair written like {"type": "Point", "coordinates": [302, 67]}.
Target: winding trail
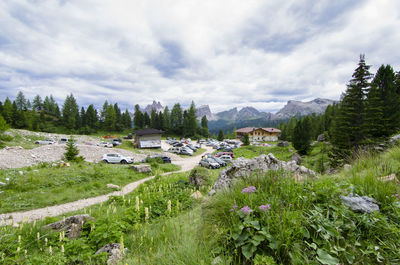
{"type": "Point", "coordinates": [186, 164]}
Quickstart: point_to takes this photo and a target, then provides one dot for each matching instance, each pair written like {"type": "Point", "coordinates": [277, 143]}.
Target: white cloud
{"type": "Point", "coordinates": [222, 53]}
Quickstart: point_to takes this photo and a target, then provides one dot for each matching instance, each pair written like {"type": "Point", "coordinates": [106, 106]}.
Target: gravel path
{"type": "Point", "coordinates": [38, 214]}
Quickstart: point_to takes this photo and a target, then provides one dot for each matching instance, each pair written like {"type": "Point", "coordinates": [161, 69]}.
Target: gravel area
{"type": "Point", "coordinates": [37, 214]}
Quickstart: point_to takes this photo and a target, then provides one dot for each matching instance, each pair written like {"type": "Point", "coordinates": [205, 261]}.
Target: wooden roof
{"type": "Point", "coordinates": [251, 129]}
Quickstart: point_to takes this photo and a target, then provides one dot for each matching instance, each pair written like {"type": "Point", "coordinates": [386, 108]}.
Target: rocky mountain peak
{"type": "Point", "coordinates": [298, 108]}
{"type": "Point", "coordinates": [155, 105]}
{"type": "Point", "coordinates": [204, 110]}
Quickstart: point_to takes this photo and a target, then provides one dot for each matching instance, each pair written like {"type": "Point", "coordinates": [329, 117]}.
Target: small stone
{"type": "Point", "coordinates": [196, 195]}
{"type": "Point", "coordinates": [282, 144]}
{"type": "Point", "coordinates": [321, 138]}
{"type": "Point", "coordinates": [113, 186]}
{"type": "Point", "coordinates": [391, 177]}
{"type": "Point", "coordinates": [71, 225]}
{"type": "Point", "coordinates": [115, 252]}
{"type": "Point", "coordinates": [144, 168]}
{"type": "Point", "coordinates": [347, 167]}
{"type": "Point", "coordinates": [296, 157]}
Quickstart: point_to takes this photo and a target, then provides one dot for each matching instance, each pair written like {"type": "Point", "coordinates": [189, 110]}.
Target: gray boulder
{"type": "Point", "coordinates": [362, 204]}
{"type": "Point", "coordinates": [114, 249]}
{"type": "Point", "coordinates": [144, 168]}
{"type": "Point", "coordinates": [394, 139]}
{"type": "Point", "coordinates": [296, 157]}
{"type": "Point", "coordinates": [242, 167]}
{"type": "Point", "coordinates": [321, 138]}
{"type": "Point", "coordinates": [199, 177]}
{"type": "Point", "coordinates": [282, 144]}
{"type": "Point", "coordinates": [71, 225]}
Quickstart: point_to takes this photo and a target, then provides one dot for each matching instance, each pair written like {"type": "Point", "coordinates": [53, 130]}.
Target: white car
{"type": "Point", "coordinates": [47, 141]}
{"type": "Point", "coordinates": [105, 144]}
{"type": "Point", "coordinates": [226, 158]}
{"type": "Point", "coordinates": [175, 150]}
{"type": "Point", "coordinates": [117, 159]}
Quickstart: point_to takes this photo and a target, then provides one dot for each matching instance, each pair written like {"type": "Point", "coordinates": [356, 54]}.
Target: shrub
{"type": "Point", "coordinates": [71, 150]}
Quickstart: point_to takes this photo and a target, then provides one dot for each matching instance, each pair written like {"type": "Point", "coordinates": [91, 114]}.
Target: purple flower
{"type": "Point", "coordinates": [234, 207]}
{"type": "Point", "coordinates": [397, 195]}
{"type": "Point", "coordinates": [264, 207]}
{"type": "Point", "coordinates": [249, 189]}
{"type": "Point", "coordinates": [246, 209]}
{"type": "Point", "coordinates": [290, 205]}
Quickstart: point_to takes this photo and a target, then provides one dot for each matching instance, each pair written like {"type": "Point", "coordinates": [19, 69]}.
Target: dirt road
{"type": "Point", "coordinates": [38, 214]}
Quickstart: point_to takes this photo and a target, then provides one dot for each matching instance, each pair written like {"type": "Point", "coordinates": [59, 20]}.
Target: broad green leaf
{"type": "Point", "coordinates": [325, 258]}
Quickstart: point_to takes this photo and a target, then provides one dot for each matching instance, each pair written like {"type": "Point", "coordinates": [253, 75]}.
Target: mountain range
{"type": "Point", "coordinates": [249, 116]}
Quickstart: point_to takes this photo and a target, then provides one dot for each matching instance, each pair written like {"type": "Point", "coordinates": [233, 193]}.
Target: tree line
{"type": "Point", "coordinates": [177, 121]}
{"type": "Point", "coordinates": [46, 115]}
{"type": "Point", "coordinates": [367, 113]}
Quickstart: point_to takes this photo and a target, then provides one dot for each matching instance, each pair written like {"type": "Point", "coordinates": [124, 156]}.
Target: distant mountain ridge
{"type": "Point", "coordinates": [292, 108]}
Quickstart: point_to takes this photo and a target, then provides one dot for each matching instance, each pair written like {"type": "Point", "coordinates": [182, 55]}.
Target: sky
{"type": "Point", "coordinates": [225, 53]}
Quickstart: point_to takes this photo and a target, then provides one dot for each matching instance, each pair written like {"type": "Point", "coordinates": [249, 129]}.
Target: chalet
{"type": "Point", "coordinates": [147, 138]}
{"type": "Point", "coordinates": [259, 134]}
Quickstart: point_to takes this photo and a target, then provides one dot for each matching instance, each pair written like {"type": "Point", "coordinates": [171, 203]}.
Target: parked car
{"type": "Point", "coordinates": [224, 153]}
{"type": "Point", "coordinates": [175, 150]}
{"type": "Point", "coordinates": [209, 163]}
{"type": "Point", "coordinates": [116, 142]}
{"type": "Point", "coordinates": [194, 149]}
{"type": "Point", "coordinates": [63, 140]}
{"type": "Point", "coordinates": [117, 159]}
{"type": "Point", "coordinates": [178, 144]}
{"type": "Point", "coordinates": [47, 141]}
{"type": "Point", "coordinates": [165, 159]}
{"type": "Point", "coordinates": [226, 158]}
{"type": "Point", "coordinates": [219, 161]}
{"type": "Point", "coordinates": [186, 151]}
{"type": "Point", "coordinates": [105, 144]}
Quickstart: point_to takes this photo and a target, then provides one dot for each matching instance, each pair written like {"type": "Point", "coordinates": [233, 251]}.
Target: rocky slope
{"type": "Point", "coordinates": [204, 110]}
{"type": "Point", "coordinates": [298, 108]}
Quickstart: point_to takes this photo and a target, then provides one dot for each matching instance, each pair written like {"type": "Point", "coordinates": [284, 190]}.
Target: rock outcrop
{"type": "Point", "coordinates": [71, 225]}
{"type": "Point", "coordinates": [144, 168]}
{"type": "Point", "coordinates": [243, 167]}
{"type": "Point", "coordinates": [114, 249]}
{"type": "Point", "coordinates": [362, 204]}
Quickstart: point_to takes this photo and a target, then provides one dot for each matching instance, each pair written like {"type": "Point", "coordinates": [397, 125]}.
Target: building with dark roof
{"type": "Point", "coordinates": [259, 134]}
{"type": "Point", "coordinates": [147, 138]}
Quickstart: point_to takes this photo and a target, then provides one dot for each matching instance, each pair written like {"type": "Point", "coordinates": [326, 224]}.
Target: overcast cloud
{"type": "Point", "coordinates": [225, 53]}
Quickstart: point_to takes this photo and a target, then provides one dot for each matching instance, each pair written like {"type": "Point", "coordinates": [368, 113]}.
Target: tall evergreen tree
{"type": "Point", "coordinates": [20, 100]}
{"type": "Point", "coordinates": [37, 103]}
{"type": "Point", "coordinates": [301, 137]}
{"type": "Point", "coordinates": [110, 119]}
{"type": "Point", "coordinates": [190, 122]}
{"type": "Point", "coordinates": [70, 113]}
{"type": "Point", "coordinates": [220, 135]}
{"type": "Point", "coordinates": [146, 120]}
{"type": "Point", "coordinates": [104, 111]}
{"type": "Point", "coordinates": [176, 119]}
{"type": "Point", "coordinates": [374, 127]}
{"type": "Point", "coordinates": [126, 120]}
{"type": "Point", "coordinates": [91, 117]}
{"type": "Point", "coordinates": [153, 119]}
{"type": "Point", "coordinates": [7, 111]}
{"type": "Point", "coordinates": [83, 117]}
{"type": "Point", "coordinates": [384, 82]}
{"type": "Point", "coordinates": [204, 126]}
{"type": "Point", "coordinates": [166, 120]}
{"type": "Point", "coordinates": [138, 118]}
{"type": "Point", "coordinates": [349, 123]}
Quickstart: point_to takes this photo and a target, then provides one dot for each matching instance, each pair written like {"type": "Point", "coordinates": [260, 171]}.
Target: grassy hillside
{"type": "Point", "coordinates": [279, 221]}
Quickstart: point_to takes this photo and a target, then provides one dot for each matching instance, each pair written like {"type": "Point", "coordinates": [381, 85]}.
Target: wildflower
{"type": "Point", "coordinates": [290, 205]}
{"type": "Point", "coordinates": [50, 250]}
{"type": "Point", "coordinates": [146, 214]}
{"type": "Point", "coordinates": [249, 189]}
{"type": "Point", "coordinates": [62, 248]}
{"type": "Point", "coordinates": [234, 207]}
{"type": "Point", "coordinates": [169, 206]}
{"type": "Point", "coordinates": [137, 204]}
{"type": "Point", "coordinates": [264, 207]}
{"type": "Point", "coordinates": [246, 209]}
{"type": "Point", "coordinates": [397, 196]}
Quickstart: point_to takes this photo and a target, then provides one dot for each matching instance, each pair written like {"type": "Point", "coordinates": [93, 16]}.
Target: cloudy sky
{"type": "Point", "coordinates": [224, 53]}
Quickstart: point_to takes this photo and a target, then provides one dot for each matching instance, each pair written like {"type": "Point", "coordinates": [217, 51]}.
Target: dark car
{"type": "Point", "coordinates": [219, 161]}
{"type": "Point", "coordinates": [178, 144]}
{"type": "Point", "coordinates": [165, 159]}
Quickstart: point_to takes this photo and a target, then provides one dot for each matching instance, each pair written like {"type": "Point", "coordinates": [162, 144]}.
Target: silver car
{"type": "Point", "coordinates": [117, 159]}
{"type": "Point", "coordinates": [209, 163]}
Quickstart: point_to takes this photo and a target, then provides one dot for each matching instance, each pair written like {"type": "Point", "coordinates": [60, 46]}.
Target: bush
{"type": "Point", "coordinates": [72, 151]}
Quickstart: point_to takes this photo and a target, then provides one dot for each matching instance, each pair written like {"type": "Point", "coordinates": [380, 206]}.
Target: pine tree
{"type": "Point", "coordinates": [176, 119]}
{"type": "Point", "coordinates": [7, 111]}
{"type": "Point", "coordinates": [138, 118]}
{"type": "Point", "coordinates": [91, 117]}
{"type": "Point", "coordinates": [153, 119]}
{"type": "Point", "coordinates": [20, 100]}
{"type": "Point", "coordinates": [3, 125]}
{"type": "Point", "coordinates": [71, 150]}
{"type": "Point", "coordinates": [126, 119]}
{"type": "Point", "coordinates": [110, 119]}
{"type": "Point", "coordinates": [192, 120]}
{"type": "Point", "coordinates": [37, 103]}
{"type": "Point", "coordinates": [70, 113]}
{"type": "Point", "coordinates": [220, 135]}
{"type": "Point", "coordinates": [374, 127]}
{"type": "Point", "coordinates": [349, 123]}
{"type": "Point", "coordinates": [384, 82]}
{"type": "Point", "coordinates": [204, 126]}
{"type": "Point", "coordinates": [246, 139]}
{"type": "Point", "coordinates": [301, 137]}
{"type": "Point", "coordinates": [166, 120]}
{"type": "Point", "coordinates": [146, 120]}
{"type": "Point", "coordinates": [83, 117]}
{"type": "Point", "coordinates": [118, 116]}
